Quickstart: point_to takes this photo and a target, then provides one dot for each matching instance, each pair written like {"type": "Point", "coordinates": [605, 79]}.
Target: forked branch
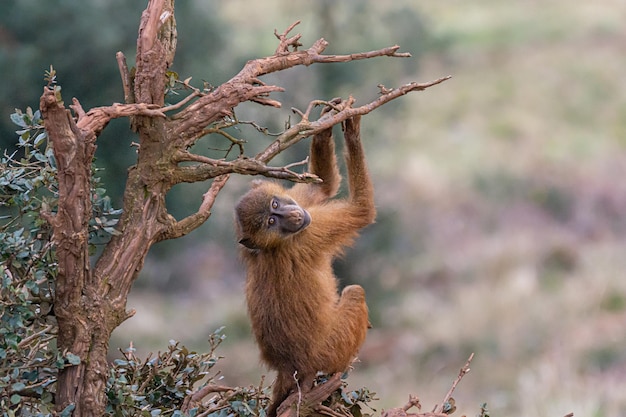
{"type": "Point", "coordinates": [445, 408]}
{"type": "Point", "coordinates": [340, 111]}
{"type": "Point", "coordinates": [300, 403]}
{"type": "Point", "coordinates": [195, 220]}
{"type": "Point", "coordinates": [189, 123]}
{"type": "Point", "coordinates": [206, 168]}
{"type": "Point", "coordinates": [97, 118]}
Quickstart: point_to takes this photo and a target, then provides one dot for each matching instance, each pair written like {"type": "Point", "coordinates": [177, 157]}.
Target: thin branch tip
{"type": "Point", "coordinates": [290, 28]}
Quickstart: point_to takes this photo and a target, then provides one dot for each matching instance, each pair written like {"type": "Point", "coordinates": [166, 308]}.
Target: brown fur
{"type": "Point", "coordinates": [300, 323]}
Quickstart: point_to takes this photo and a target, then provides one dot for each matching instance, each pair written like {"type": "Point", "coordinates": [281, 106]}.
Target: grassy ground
{"type": "Point", "coordinates": [503, 195]}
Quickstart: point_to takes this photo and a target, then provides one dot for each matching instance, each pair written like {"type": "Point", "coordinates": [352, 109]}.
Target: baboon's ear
{"type": "Point", "coordinates": [247, 242]}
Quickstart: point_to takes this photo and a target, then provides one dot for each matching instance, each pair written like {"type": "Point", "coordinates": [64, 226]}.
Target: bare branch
{"type": "Point", "coordinates": [389, 51]}
{"type": "Point", "coordinates": [245, 86]}
{"type": "Point", "coordinates": [311, 400]}
{"type": "Point", "coordinates": [413, 402]}
{"type": "Point", "coordinates": [234, 141]}
{"type": "Point", "coordinates": [97, 118]}
{"type": "Point", "coordinates": [192, 399]}
{"type": "Point", "coordinates": [440, 409]}
{"type": "Point", "coordinates": [266, 102]}
{"type": "Point", "coordinates": [27, 340]}
{"type": "Point", "coordinates": [156, 45]}
{"type": "Point", "coordinates": [126, 79]}
{"type": "Point", "coordinates": [210, 168]}
{"type": "Point", "coordinates": [464, 370]}
{"type": "Point", "coordinates": [192, 222]}
{"type": "Point", "coordinates": [285, 43]}
{"type": "Point", "coordinates": [341, 110]}
{"type": "Point", "coordinates": [194, 94]}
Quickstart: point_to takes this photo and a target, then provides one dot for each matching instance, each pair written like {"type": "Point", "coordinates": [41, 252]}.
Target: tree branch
{"type": "Point", "coordinates": [340, 111]}
{"type": "Point", "coordinates": [196, 397]}
{"type": "Point", "coordinates": [156, 46]}
{"type": "Point", "coordinates": [96, 119]}
{"type": "Point", "coordinates": [126, 78]}
{"type": "Point", "coordinates": [194, 221]}
{"type": "Point", "coordinates": [245, 86]}
{"type": "Point", "coordinates": [209, 168]}
{"type": "Point", "coordinates": [336, 111]}
{"type": "Point", "coordinates": [464, 370]}
{"type": "Point", "coordinates": [311, 400]}
{"type": "Point", "coordinates": [285, 43]}
{"type": "Point", "coordinates": [439, 410]}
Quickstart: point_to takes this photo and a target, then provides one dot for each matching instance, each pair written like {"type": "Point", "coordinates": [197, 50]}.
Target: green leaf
{"type": "Point", "coordinates": [112, 231]}
{"type": "Point", "coordinates": [18, 119]}
{"type": "Point", "coordinates": [18, 386]}
{"type": "Point", "coordinates": [15, 399]}
{"type": "Point", "coordinates": [73, 359]}
{"type": "Point", "coordinates": [40, 138]}
{"type": "Point", "coordinates": [46, 397]}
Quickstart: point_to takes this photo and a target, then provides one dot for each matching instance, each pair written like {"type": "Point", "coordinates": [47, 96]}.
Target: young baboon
{"type": "Point", "coordinates": [288, 239]}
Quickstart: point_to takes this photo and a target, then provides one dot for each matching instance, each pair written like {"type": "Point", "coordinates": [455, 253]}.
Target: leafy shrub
{"type": "Point", "coordinates": [174, 383]}
{"type": "Point", "coordinates": [29, 359]}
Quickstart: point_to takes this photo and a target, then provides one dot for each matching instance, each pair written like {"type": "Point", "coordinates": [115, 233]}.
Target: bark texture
{"type": "Point", "coordinates": [91, 301]}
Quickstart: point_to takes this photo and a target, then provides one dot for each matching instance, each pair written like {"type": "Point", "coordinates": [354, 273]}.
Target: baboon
{"type": "Point", "coordinates": [288, 239]}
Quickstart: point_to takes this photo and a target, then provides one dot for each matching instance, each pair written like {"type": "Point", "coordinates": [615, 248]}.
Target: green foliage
{"type": "Point", "coordinates": [165, 384]}
{"type": "Point", "coordinates": [353, 403]}
{"type": "Point", "coordinates": [483, 411]}
{"type": "Point", "coordinates": [159, 385]}
{"type": "Point", "coordinates": [162, 385]}
{"type": "Point", "coordinates": [29, 359]}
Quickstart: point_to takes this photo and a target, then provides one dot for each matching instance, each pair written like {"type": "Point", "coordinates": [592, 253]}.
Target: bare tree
{"type": "Point", "coordinates": [91, 301]}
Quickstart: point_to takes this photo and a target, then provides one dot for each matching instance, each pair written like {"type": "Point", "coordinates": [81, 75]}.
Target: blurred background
{"type": "Point", "coordinates": [501, 193]}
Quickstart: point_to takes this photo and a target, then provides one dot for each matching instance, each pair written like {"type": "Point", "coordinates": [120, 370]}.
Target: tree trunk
{"type": "Point", "coordinates": [90, 302]}
{"type": "Point", "coordinates": [79, 311]}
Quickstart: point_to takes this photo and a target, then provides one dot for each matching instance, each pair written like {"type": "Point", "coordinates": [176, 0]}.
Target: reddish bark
{"type": "Point", "coordinates": [91, 301]}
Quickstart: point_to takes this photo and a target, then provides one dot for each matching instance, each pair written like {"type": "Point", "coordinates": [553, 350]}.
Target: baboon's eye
{"type": "Point", "coordinates": [271, 220]}
{"type": "Point", "coordinates": [274, 204]}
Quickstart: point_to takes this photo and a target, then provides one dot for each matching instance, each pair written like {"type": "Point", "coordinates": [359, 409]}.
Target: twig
{"type": "Point", "coordinates": [322, 409]}
{"type": "Point", "coordinates": [33, 336]}
{"type": "Point", "coordinates": [464, 370]}
{"type": "Point", "coordinates": [295, 164]}
{"type": "Point", "coordinates": [299, 402]}
{"type": "Point", "coordinates": [235, 142]}
{"type": "Point", "coordinates": [305, 116]}
{"type": "Point", "coordinates": [285, 43]}
{"type": "Point", "coordinates": [390, 51]}
{"type": "Point", "coordinates": [312, 398]}
{"type": "Point", "coordinates": [126, 80]}
{"type": "Point", "coordinates": [245, 85]}
{"type": "Point", "coordinates": [189, 223]}
{"type": "Point", "coordinates": [97, 118]}
{"type": "Point", "coordinates": [197, 396]}
{"type": "Point", "coordinates": [195, 93]}
{"type": "Point", "coordinates": [259, 390]}
{"type": "Point", "coordinates": [341, 110]}
{"type": "Point", "coordinates": [210, 168]}
{"type": "Point", "coordinates": [413, 402]}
